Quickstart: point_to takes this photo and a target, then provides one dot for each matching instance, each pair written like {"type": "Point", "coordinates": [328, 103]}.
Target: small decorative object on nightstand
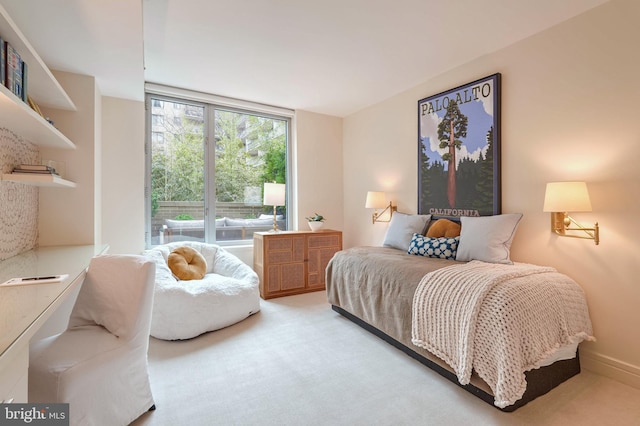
{"type": "Point", "coordinates": [316, 222]}
{"type": "Point", "coordinates": [293, 262]}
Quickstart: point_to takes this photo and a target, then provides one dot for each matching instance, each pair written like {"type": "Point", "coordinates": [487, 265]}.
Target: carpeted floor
{"type": "Point", "coordinates": [297, 362]}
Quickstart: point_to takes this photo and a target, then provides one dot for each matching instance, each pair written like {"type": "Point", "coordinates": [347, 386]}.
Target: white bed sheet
{"type": "Point", "coordinates": [563, 352]}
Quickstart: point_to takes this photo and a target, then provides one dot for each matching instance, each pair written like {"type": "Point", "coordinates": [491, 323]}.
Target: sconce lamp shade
{"type": "Point", "coordinates": [376, 200]}
{"type": "Point", "coordinates": [567, 197]}
{"type": "Point", "coordinates": [274, 194]}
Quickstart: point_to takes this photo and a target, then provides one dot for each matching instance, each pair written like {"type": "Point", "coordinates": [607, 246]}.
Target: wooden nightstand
{"type": "Point", "coordinates": [293, 262]}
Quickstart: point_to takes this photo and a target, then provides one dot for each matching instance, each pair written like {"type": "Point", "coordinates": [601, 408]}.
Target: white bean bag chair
{"type": "Point", "coordinates": [227, 294]}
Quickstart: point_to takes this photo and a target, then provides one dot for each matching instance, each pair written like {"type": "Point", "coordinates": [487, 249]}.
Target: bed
{"type": "Point", "coordinates": [394, 295]}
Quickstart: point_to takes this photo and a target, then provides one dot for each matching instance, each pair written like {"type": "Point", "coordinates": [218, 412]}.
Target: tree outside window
{"type": "Point", "coordinates": [248, 150]}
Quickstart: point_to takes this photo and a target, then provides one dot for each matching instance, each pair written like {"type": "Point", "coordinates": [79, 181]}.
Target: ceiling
{"type": "Point", "coordinates": [331, 56]}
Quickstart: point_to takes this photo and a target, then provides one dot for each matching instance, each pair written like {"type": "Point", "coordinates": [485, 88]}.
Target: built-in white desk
{"type": "Point", "coordinates": [25, 308]}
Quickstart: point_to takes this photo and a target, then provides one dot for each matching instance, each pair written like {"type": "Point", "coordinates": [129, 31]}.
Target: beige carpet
{"type": "Point", "coordinates": [297, 362]}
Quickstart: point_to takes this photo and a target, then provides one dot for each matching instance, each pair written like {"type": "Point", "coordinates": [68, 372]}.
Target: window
{"type": "Point", "coordinates": [157, 139]}
{"type": "Point", "coordinates": [212, 192]}
{"type": "Point", "coordinates": [157, 120]}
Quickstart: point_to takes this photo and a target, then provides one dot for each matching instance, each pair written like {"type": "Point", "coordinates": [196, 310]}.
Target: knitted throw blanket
{"type": "Point", "coordinates": [479, 315]}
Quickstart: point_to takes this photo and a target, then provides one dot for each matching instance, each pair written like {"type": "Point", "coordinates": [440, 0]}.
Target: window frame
{"type": "Point", "coordinates": [210, 103]}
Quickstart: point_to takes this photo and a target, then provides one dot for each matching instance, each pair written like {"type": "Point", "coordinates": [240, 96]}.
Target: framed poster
{"type": "Point", "coordinates": [459, 151]}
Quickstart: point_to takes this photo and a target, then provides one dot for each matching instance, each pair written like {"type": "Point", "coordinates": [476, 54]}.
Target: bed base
{"type": "Point", "coordinates": [539, 381]}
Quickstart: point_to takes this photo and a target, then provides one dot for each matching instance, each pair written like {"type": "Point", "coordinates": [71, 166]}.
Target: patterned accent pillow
{"type": "Point", "coordinates": [443, 248]}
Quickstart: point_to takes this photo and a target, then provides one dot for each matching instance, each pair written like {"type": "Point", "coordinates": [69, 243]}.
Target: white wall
{"type": "Point", "coordinates": [318, 169]}
{"type": "Point", "coordinates": [380, 154]}
{"type": "Point", "coordinates": [569, 112]}
{"type": "Point", "coordinates": [123, 171]}
{"type": "Point", "coordinates": [67, 215]}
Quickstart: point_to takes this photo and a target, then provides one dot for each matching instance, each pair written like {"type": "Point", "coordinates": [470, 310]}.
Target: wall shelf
{"type": "Point", "coordinates": [42, 85]}
{"type": "Point", "coordinates": [36, 179]}
{"type": "Point", "coordinates": [21, 119]}
{"type": "Point", "coordinates": [15, 114]}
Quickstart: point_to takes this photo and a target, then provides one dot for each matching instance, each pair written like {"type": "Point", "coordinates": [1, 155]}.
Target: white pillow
{"type": "Point", "coordinates": [487, 238]}
{"type": "Point", "coordinates": [402, 228]}
{"type": "Point", "coordinates": [270, 216]}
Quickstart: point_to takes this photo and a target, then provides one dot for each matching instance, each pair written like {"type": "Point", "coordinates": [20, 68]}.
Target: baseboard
{"type": "Point", "coordinates": [610, 367]}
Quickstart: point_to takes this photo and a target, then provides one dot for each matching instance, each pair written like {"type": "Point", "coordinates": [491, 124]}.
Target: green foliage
{"type": "Point", "coordinates": [154, 203]}
{"type": "Point", "coordinates": [183, 217]}
{"type": "Point", "coordinates": [177, 173]}
{"type": "Point", "coordinates": [467, 175]}
{"type": "Point", "coordinates": [434, 179]}
{"type": "Point", "coordinates": [452, 127]}
{"type": "Point", "coordinates": [484, 184]}
{"type": "Point", "coordinates": [275, 159]}
{"type": "Point", "coordinates": [316, 218]}
{"type": "Point", "coordinates": [249, 150]}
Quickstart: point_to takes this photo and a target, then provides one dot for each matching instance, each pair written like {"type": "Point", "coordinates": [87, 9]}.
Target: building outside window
{"type": "Point", "coordinates": [211, 192]}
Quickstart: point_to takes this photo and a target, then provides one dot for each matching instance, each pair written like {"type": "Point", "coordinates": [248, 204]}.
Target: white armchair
{"type": "Point", "coordinates": [99, 364]}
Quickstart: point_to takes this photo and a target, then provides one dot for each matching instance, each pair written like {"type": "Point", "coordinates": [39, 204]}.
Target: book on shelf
{"type": "Point", "coordinates": [3, 61]}
{"type": "Point", "coordinates": [24, 81]}
{"type": "Point", "coordinates": [15, 70]}
{"type": "Point", "coordinates": [34, 106]}
{"type": "Point", "coordinates": [34, 167]}
{"type": "Point", "coordinates": [17, 78]}
{"type": "Point", "coordinates": [11, 67]}
{"type": "Point", "coordinates": [34, 172]}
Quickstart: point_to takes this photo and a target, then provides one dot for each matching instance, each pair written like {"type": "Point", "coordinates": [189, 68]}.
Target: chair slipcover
{"type": "Point", "coordinates": [99, 364]}
{"type": "Point", "coordinates": [228, 293]}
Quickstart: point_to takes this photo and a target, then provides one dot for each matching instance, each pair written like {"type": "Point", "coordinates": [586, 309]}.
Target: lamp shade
{"type": "Point", "coordinates": [274, 194]}
{"type": "Point", "coordinates": [566, 197]}
{"type": "Point", "coordinates": [376, 200]}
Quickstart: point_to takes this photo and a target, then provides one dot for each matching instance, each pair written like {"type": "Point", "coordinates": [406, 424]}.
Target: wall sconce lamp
{"type": "Point", "coordinates": [274, 195]}
{"type": "Point", "coordinates": [563, 197]}
{"type": "Point", "coordinates": [378, 200]}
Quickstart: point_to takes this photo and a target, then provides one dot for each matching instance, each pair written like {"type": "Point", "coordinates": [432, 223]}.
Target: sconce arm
{"type": "Point", "coordinates": [376, 215]}
{"type": "Point", "coordinates": [562, 223]}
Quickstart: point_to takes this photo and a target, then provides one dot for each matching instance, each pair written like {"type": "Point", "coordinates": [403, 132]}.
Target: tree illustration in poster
{"type": "Point", "coordinates": [459, 150]}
